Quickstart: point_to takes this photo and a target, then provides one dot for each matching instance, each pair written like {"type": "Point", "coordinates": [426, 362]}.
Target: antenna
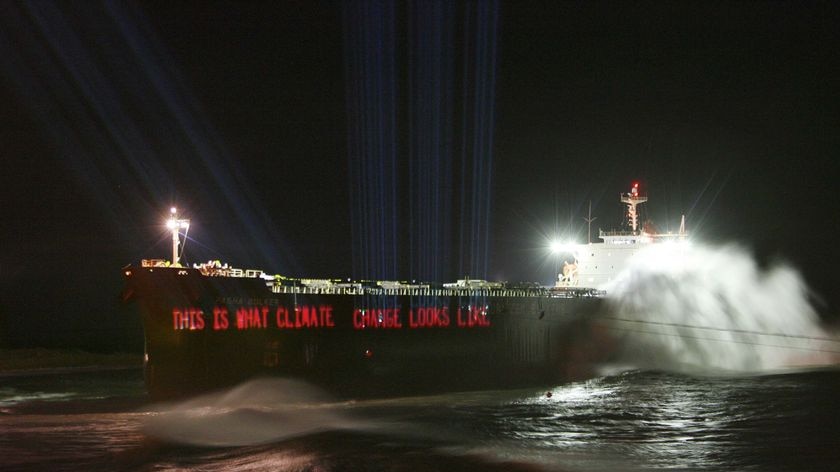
{"type": "Point", "coordinates": [589, 221]}
{"type": "Point", "coordinates": [632, 199]}
{"type": "Point", "coordinates": [175, 225]}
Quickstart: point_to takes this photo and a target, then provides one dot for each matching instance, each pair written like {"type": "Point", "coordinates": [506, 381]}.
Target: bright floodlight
{"type": "Point", "coordinates": [173, 210]}
{"type": "Point", "coordinates": [558, 246]}
{"type": "Point", "coordinates": [172, 223]}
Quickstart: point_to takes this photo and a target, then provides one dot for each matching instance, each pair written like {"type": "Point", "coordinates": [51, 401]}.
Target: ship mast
{"type": "Point", "coordinates": [175, 225]}
{"type": "Point", "coordinates": [589, 221]}
{"type": "Point", "coordinates": [632, 199]}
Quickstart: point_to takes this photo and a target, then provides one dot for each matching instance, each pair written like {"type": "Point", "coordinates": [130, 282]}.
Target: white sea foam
{"type": "Point", "coordinates": [694, 308]}
{"type": "Point", "coordinates": [257, 412]}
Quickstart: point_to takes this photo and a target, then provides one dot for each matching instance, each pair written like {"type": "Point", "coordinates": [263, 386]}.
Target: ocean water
{"type": "Point", "coordinates": [633, 420]}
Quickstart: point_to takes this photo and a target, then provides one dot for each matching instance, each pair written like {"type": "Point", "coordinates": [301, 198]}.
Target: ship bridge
{"type": "Point", "coordinates": [596, 264]}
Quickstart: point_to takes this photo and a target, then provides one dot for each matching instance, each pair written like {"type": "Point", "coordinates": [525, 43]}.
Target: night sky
{"type": "Point", "coordinates": [413, 139]}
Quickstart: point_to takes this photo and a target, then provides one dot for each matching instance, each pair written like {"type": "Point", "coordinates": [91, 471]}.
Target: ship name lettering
{"type": "Point", "coordinates": [247, 301]}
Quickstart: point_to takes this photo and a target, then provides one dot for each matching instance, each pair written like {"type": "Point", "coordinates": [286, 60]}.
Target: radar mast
{"type": "Point", "coordinates": [632, 199]}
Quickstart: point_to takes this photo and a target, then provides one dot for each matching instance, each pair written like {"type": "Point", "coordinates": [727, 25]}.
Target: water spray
{"type": "Point", "coordinates": [704, 309]}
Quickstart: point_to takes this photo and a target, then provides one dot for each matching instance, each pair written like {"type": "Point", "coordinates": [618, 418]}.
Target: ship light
{"type": "Point", "coordinates": [558, 246]}
{"type": "Point", "coordinates": [173, 222]}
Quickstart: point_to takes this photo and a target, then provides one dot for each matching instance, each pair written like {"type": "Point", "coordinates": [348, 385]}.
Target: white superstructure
{"type": "Point", "coordinates": [596, 264]}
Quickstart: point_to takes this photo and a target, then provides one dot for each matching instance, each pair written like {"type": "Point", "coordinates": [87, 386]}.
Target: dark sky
{"type": "Point", "coordinates": [237, 112]}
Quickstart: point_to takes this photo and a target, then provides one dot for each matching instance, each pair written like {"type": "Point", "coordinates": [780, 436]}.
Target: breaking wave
{"type": "Point", "coordinates": [712, 310]}
{"type": "Point", "coordinates": [260, 411]}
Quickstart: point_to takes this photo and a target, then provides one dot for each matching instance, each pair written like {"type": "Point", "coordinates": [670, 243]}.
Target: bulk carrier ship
{"type": "Point", "coordinates": [213, 325]}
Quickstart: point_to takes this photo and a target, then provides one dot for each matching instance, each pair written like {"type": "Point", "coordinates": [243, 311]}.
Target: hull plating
{"type": "Point", "coordinates": [203, 333]}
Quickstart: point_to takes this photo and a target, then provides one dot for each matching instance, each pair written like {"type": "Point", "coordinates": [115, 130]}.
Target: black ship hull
{"type": "Point", "coordinates": [204, 332]}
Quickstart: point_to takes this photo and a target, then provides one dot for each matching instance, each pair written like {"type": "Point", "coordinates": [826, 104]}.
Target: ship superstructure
{"type": "Point", "coordinates": [597, 264]}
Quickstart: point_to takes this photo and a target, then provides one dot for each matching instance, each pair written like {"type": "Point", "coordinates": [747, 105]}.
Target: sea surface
{"type": "Point", "coordinates": [632, 420]}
